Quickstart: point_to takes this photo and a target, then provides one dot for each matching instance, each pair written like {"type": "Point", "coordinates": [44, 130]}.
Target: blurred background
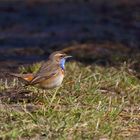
{"type": "Point", "coordinates": [103, 32]}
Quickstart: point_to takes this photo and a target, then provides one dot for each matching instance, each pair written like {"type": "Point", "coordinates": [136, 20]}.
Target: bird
{"type": "Point", "coordinates": [50, 74]}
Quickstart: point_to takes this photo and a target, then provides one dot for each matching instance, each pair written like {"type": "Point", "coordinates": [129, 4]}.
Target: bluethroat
{"type": "Point", "coordinates": [50, 74]}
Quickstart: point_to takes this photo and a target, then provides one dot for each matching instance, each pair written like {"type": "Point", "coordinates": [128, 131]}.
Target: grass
{"type": "Point", "coordinates": [94, 102]}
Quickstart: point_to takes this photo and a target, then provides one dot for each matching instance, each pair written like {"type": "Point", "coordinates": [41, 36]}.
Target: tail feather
{"type": "Point", "coordinates": [25, 77]}
{"type": "Point", "coordinates": [16, 75]}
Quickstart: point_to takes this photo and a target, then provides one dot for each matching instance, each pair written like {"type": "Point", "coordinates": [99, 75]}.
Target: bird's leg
{"type": "Point", "coordinates": [54, 96]}
{"type": "Point", "coordinates": [44, 93]}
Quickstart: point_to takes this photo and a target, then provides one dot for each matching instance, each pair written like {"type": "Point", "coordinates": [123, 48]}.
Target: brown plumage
{"type": "Point", "coordinates": [50, 74]}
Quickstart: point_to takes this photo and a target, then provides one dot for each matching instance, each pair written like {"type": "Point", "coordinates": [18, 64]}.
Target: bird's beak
{"type": "Point", "coordinates": [68, 56]}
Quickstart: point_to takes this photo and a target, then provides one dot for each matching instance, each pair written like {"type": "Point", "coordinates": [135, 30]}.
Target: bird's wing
{"type": "Point", "coordinates": [46, 71]}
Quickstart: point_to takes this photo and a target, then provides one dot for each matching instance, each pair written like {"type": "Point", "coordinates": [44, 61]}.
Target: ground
{"type": "Point", "coordinates": [99, 97]}
{"type": "Point", "coordinates": [99, 100]}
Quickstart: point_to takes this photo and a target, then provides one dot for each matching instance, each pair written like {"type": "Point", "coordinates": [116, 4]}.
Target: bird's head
{"type": "Point", "coordinates": [60, 58]}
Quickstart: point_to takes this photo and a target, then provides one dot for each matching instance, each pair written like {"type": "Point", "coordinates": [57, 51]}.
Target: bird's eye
{"type": "Point", "coordinates": [61, 56]}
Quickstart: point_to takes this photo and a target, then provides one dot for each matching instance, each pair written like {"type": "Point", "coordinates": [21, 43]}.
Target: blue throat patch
{"type": "Point", "coordinates": [62, 63]}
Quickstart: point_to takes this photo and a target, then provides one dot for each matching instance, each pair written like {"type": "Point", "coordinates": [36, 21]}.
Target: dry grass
{"type": "Point", "coordinates": [94, 102]}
